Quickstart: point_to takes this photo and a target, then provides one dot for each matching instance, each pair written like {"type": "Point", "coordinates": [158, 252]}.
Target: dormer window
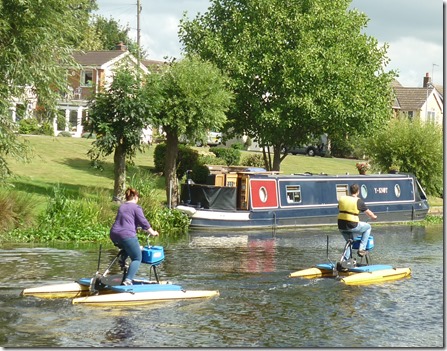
{"type": "Point", "coordinates": [87, 78]}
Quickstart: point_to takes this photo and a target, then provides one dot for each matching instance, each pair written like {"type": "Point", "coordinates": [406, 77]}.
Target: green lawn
{"type": "Point", "coordinates": [64, 161]}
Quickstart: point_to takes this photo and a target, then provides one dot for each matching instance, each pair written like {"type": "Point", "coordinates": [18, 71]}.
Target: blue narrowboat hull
{"type": "Point", "coordinates": [260, 200]}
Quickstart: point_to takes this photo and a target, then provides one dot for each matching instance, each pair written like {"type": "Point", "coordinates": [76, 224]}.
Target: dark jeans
{"type": "Point", "coordinates": [132, 249]}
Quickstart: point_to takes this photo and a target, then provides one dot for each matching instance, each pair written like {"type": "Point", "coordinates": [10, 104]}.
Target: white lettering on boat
{"type": "Point", "coordinates": [381, 190]}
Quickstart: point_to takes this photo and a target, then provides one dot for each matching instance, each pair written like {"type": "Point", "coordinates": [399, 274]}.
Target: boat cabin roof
{"type": "Point", "coordinates": [219, 169]}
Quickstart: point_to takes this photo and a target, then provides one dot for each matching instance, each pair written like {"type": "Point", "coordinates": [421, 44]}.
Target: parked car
{"type": "Point", "coordinates": [310, 150]}
{"type": "Point", "coordinates": [318, 149]}
{"type": "Point", "coordinates": [213, 139]}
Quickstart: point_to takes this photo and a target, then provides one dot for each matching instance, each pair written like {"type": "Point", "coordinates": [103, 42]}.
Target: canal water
{"type": "Point", "coordinates": [258, 306]}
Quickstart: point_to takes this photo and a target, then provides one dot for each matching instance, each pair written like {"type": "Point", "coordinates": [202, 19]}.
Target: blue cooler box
{"type": "Point", "coordinates": [153, 254]}
{"type": "Point", "coordinates": [369, 244]}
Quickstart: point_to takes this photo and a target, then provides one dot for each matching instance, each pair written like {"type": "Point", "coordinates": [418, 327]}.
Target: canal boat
{"type": "Point", "coordinates": [252, 198]}
{"type": "Point", "coordinates": [108, 289]}
{"type": "Point", "coordinates": [351, 272]}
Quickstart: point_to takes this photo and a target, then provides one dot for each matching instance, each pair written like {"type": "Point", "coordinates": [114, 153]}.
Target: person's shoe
{"type": "Point", "coordinates": [362, 253]}
{"type": "Point", "coordinates": [127, 282]}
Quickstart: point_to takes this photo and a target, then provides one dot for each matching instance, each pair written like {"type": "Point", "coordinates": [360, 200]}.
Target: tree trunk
{"type": "Point", "coordinates": [119, 159]}
{"type": "Point", "coordinates": [329, 147]}
{"type": "Point", "coordinates": [170, 171]}
{"type": "Point", "coordinates": [276, 158]}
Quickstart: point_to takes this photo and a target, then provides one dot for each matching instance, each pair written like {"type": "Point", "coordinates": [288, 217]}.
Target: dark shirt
{"type": "Point", "coordinates": [129, 217]}
{"type": "Point", "coordinates": [346, 225]}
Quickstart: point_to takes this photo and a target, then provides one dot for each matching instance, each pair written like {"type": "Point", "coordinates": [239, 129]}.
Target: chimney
{"type": "Point", "coordinates": [427, 80]}
{"type": "Point", "coordinates": [121, 47]}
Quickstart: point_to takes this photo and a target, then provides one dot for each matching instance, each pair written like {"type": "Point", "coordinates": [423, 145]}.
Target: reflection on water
{"type": "Point", "coordinates": [259, 305]}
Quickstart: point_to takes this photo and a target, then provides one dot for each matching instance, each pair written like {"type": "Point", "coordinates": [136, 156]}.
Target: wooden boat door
{"type": "Point", "coordinates": [242, 191]}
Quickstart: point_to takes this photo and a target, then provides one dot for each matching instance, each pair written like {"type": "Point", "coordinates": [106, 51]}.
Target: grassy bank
{"type": "Point", "coordinates": [64, 162]}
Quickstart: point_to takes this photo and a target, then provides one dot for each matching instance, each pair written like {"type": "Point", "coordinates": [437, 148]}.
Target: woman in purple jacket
{"type": "Point", "coordinates": [123, 234]}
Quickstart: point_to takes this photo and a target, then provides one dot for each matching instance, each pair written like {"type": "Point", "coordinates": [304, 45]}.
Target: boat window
{"type": "Point", "coordinates": [397, 190]}
{"type": "Point", "coordinates": [342, 190]}
{"type": "Point", "coordinates": [263, 194]}
{"type": "Point", "coordinates": [364, 191]}
{"type": "Point", "coordinates": [293, 193]}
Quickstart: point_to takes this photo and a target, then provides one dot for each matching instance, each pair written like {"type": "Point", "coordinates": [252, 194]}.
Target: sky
{"type": "Point", "coordinates": [412, 28]}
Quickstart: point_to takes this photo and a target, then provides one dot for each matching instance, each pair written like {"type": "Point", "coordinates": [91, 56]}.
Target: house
{"type": "Point", "coordinates": [96, 72]}
{"type": "Point", "coordinates": [424, 103]}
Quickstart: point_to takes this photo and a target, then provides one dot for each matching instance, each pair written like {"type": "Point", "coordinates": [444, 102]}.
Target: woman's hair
{"type": "Point", "coordinates": [131, 193]}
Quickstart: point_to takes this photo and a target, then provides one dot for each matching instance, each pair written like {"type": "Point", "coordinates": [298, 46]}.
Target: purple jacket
{"type": "Point", "coordinates": [129, 217]}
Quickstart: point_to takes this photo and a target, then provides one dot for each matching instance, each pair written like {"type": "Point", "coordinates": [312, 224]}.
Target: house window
{"type": "Point", "coordinates": [410, 115]}
{"type": "Point", "coordinates": [73, 119]}
{"type": "Point", "coordinates": [293, 193]}
{"type": "Point", "coordinates": [431, 116]}
{"type": "Point", "coordinates": [86, 78]}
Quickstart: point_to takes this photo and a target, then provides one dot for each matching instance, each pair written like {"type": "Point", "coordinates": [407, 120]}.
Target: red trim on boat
{"type": "Point", "coordinates": [264, 193]}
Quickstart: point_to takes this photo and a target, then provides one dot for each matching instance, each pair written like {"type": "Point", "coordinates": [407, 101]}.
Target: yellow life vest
{"type": "Point", "coordinates": [347, 207]}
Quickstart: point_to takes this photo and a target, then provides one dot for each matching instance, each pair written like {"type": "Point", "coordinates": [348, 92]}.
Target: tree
{"type": "Point", "coordinates": [104, 34]}
{"type": "Point", "coordinates": [413, 147]}
{"type": "Point", "coordinates": [117, 116]}
{"type": "Point", "coordinates": [299, 68]}
{"type": "Point", "coordinates": [194, 100]}
{"type": "Point", "coordinates": [35, 48]}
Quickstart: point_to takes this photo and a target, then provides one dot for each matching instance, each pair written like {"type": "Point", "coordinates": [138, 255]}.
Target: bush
{"type": "Point", "coordinates": [28, 126]}
{"type": "Point", "coordinates": [65, 134]}
{"type": "Point", "coordinates": [230, 155]}
{"type": "Point", "coordinates": [253, 160]}
{"type": "Point", "coordinates": [200, 173]}
{"type": "Point", "coordinates": [342, 147]}
{"type": "Point", "coordinates": [170, 223]}
{"type": "Point", "coordinates": [46, 129]}
{"type": "Point", "coordinates": [238, 146]}
{"type": "Point", "coordinates": [67, 219]}
{"type": "Point", "coordinates": [187, 158]}
{"type": "Point", "coordinates": [146, 184]}
{"type": "Point", "coordinates": [413, 146]}
{"type": "Point", "coordinates": [16, 210]}
{"type": "Point", "coordinates": [159, 157]}
{"type": "Point", "coordinates": [88, 135]}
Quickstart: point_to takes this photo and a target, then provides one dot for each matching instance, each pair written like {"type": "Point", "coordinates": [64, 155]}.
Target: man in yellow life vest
{"type": "Point", "coordinates": [349, 223]}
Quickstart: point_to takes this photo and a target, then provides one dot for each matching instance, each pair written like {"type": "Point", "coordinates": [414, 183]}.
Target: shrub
{"type": "Point", "coordinates": [238, 146]}
{"type": "Point", "coordinates": [17, 210]}
{"type": "Point", "coordinates": [169, 223]}
{"type": "Point", "coordinates": [231, 156]}
{"type": "Point", "coordinates": [342, 147]}
{"type": "Point", "coordinates": [28, 126]}
{"type": "Point", "coordinates": [159, 157]}
{"type": "Point", "coordinates": [253, 160]}
{"type": "Point", "coordinates": [146, 184]}
{"type": "Point", "coordinates": [46, 129]}
{"type": "Point", "coordinates": [414, 146]}
{"type": "Point", "coordinates": [88, 135]}
{"type": "Point", "coordinates": [187, 158]}
{"type": "Point", "coordinates": [65, 134]}
{"type": "Point", "coordinates": [200, 173]}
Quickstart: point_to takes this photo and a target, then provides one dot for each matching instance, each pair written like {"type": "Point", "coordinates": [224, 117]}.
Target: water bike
{"type": "Point", "coordinates": [351, 271]}
{"type": "Point", "coordinates": [108, 289]}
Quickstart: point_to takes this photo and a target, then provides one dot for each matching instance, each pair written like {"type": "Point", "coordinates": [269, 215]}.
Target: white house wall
{"type": "Point", "coordinates": [432, 105]}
